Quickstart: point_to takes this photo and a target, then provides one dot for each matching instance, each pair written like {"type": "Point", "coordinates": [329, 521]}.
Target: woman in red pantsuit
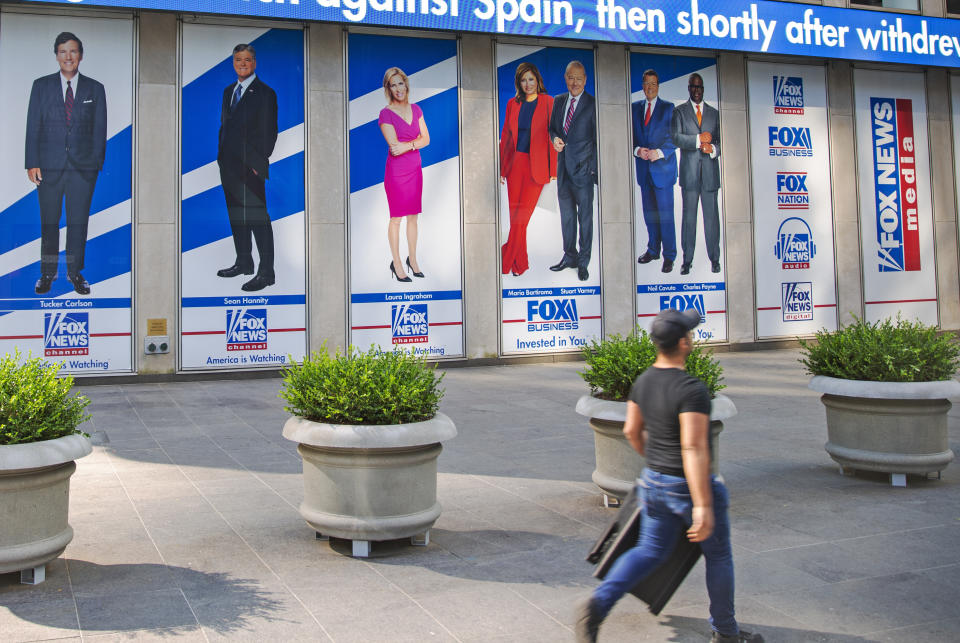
{"type": "Point", "coordinates": [527, 160]}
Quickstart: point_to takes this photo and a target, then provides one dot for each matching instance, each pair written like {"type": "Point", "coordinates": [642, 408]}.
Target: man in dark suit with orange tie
{"type": "Point", "coordinates": [248, 133]}
{"type": "Point", "coordinates": [66, 142]}
{"type": "Point", "coordinates": [573, 132]}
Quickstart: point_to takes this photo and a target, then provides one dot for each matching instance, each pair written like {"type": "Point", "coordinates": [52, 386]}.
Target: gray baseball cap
{"type": "Point", "coordinates": [671, 324]}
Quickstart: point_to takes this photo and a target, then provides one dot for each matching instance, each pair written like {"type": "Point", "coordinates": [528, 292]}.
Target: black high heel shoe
{"type": "Point", "coordinates": [393, 271]}
{"type": "Point", "coordinates": [415, 273]}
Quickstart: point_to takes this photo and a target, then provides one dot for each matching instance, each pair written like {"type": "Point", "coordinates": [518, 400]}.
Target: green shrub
{"type": "Point", "coordinates": [374, 387]}
{"type": "Point", "coordinates": [614, 363]}
{"type": "Point", "coordinates": [885, 351]}
{"type": "Point", "coordinates": [35, 404]}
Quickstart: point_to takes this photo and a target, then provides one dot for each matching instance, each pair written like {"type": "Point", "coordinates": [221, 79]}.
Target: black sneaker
{"type": "Point", "coordinates": [742, 637]}
{"type": "Point", "coordinates": [588, 622]}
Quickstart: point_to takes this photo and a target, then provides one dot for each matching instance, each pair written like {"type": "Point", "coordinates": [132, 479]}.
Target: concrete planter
{"type": "Point", "coordinates": [618, 465]}
{"type": "Point", "coordinates": [34, 503]}
{"type": "Point", "coordinates": [369, 483]}
{"type": "Point", "coordinates": [898, 428]}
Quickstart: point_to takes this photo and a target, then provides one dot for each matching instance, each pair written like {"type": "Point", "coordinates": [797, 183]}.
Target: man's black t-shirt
{"type": "Point", "coordinates": [662, 395]}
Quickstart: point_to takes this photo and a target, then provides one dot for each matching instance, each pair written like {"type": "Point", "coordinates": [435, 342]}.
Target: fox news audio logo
{"type": "Point", "coordinates": [794, 248]}
{"type": "Point", "coordinates": [790, 141]}
{"type": "Point", "coordinates": [787, 95]}
{"type": "Point", "coordinates": [895, 183]}
{"type": "Point", "coordinates": [792, 193]}
{"type": "Point", "coordinates": [409, 323]}
{"type": "Point", "coordinates": [552, 314]}
{"type": "Point", "coordinates": [246, 329]}
{"type": "Point", "coordinates": [797, 301]}
{"type": "Point", "coordinates": [683, 302]}
{"type": "Point", "coordinates": [66, 334]}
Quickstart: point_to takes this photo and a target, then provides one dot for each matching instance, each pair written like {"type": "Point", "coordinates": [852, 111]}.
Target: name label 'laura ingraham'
{"type": "Point", "coordinates": [895, 184]}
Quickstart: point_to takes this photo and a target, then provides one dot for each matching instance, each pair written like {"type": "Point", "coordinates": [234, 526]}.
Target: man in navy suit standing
{"type": "Point", "coordinates": [65, 146]}
{"type": "Point", "coordinates": [656, 158]}
{"type": "Point", "coordinates": [573, 131]}
{"type": "Point", "coordinates": [248, 133]}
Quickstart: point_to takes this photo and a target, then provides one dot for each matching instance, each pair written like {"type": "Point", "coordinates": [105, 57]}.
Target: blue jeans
{"type": "Point", "coordinates": [667, 509]}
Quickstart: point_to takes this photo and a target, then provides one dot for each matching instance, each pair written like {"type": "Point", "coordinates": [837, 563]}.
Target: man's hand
{"type": "Point", "coordinates": [558, 144]}
{"type": "Point", "coordinates": [34, 175]}
{"type": "Point", "coordinates": [645, 153]}
{"type": "Point", "coordinates": [706, 148]}
{"type": "Point", "coordinates": [702, 525]}
{"type": "Point", "coordinates": [706, 137]}
{"type": "Point", "coordinates": [255, 173]}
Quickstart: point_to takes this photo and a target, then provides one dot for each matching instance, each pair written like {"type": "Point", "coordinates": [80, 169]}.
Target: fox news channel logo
{"type": "Point", "coordinates": [408, 323]}
{"type": "Point", "coordinates": [66, 334]}
{"type": "Point", "coordinates": [794, 247]}
{"type": "Point", "coordinates": [788, 95]}
{"type": "Point", "coordinates": [792, 193]}
{"type": "Point", "coordinates": [684, 302]}
{"type": "Point", "coordinates": [797, 301]}
{"type": "Point", "coordinates": [895, 183]}
{"type": "Point", "coordinates": [552, 315]}
{"type": "Point", "coordinates": [246, 329]}
{"type": "Point", "coordinates": [790, 141]}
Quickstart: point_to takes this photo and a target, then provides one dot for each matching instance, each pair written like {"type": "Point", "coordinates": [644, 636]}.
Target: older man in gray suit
{"type": "Point", "coordinates": [695, 129]}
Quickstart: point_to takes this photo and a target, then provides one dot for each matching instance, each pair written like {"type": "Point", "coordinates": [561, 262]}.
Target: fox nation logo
{"type": "Point", "coordinates": [788, 95]}
{"type": "Point", "coordinates": [797, 301]}
{"type": "Point", "coordinates": [246, 329]}
{"type": "Point", "coordinates": [792, 192]}
{"type": "Point", "coordinates": [685, 302]}
{"type": "Point", "coordinates": [552, 314]}
{"type": "Point", "coordinates": [66, 334]}
{"type": "Point", "coordinates": [790, 141]}
{"type": "Point", "coordinates": [408, 323]}
{"type": "Point", "coordinates": [794, 248]}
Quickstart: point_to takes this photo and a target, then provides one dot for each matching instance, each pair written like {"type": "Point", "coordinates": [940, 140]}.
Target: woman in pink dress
{"type": "Point", "coordinates": [406, 133]}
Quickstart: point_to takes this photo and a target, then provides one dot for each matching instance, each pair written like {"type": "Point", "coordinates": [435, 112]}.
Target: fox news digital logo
{"type": "Point", "coordinates": [66, 334]}
{"type": "Point", "coordinates": [552, 314]}
{"type": "Point", "coordinates": [790, 141]}
{"type": "Point", "coordinates": [895, 184]}
{"type": "Point", "coordinates": [787, 95]}
{"type": "Point", "coordinates": [246, 329]}
{"type": "Point", "coordinates": [794, 248]}
{"type": "Point", "coordinates": [684, 302]}
{"type": "Point", "coordinates": [409, 323]}
{"type": "Point", "coordinates": [792, 193]}
{"type": "Point", "coordinates": [797, 301]}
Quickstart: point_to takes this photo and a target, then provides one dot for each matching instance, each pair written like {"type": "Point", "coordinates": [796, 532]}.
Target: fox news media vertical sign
{"type": "Point", "coordinates": [701, 288]}
{"type": "Point", "coordinates": [223, 325]}
{"type": "Point", "coordinates": [896, 219]}
{"type": "Point", "coordinates": [546, 311]}
{"type": "Point", "coordinates": [88, 333]}
{"type": "Point", "coordinates": [792, 206]}
{"type": "Point", "coordinates": [423, 315]}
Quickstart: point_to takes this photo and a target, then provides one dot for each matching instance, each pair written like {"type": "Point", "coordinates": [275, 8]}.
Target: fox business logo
{"type": "Point", "coordinates": [895, 184]}
{"type": "Point", "coordinates": [684, 302]}
{"type": "Point", "coordinates": [790, 141]}
{"type": "Point", "coordinates": [792, 193]}
{"type": "Point", "coordinates": [794, 248]}
{"type": "Point", "coordinates": [788, 95]}
{"type": "Point", "coordinates": [246, 329]}
{"type": "Point", "coordinates": [409, 323]}
{"type": "Point", "coordinates": [552, 314]}
{"type": "Point", "coordinates": [797, 301]}
{"type": "Point", "coordinates": [66, 334]}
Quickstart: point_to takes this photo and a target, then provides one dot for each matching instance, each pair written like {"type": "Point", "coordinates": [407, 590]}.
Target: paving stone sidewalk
{"type": "Point", "coordinates": [187, 527]}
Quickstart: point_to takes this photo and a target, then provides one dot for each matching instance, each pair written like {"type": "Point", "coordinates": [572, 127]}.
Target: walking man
{"type": "Point", "coordinates": [668, 422]}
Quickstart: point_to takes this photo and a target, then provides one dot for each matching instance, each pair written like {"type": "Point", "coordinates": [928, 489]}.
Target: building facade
{"type": "Point", "coordinates": [781, 167]}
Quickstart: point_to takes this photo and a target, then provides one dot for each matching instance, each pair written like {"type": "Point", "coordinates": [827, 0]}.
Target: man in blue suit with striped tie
{"type": "Point", "coordinates": [656, 159]}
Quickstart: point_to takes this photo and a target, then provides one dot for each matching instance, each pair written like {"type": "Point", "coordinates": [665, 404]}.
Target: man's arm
{"type": "Point", "coordinates": [32, 143]}
{"type": "Point", "coordinates": [100, 126]}
{"type": "Point", "coordinates": [554, 126]}
{"type": "Point", "coordinates": [633, 428]}
{"type": "Point", "coordinates": [695, 452]}
{"type": "Point", "coordinates": [680, 139]}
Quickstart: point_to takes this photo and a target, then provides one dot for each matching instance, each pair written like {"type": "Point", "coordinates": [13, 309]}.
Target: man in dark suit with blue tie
{"type": "Point", "coordinates": [66, 142]}
{"type": "Point", "coordinates": [656, 159]}
{"type": "Point", "coordinates": [573, 131]}
{"type": "Point", "coordinates": [248, 134]}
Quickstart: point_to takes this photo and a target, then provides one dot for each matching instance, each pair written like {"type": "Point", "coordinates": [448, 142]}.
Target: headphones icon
{"type": "Point", "coordinates": [779, 247]}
